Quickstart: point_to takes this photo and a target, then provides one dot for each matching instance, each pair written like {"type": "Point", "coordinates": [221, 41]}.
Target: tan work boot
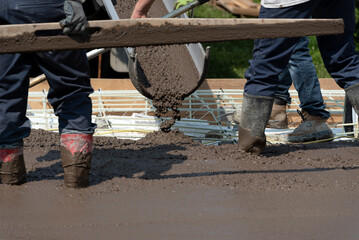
{"type": "Point", "coordinates": [313, 128]}
{"type": "Point", "coordinates": [12, 166]}
{"type": "Point", "coordinates": [278, 118]}
{"type": "Point", "coordinates": [76, 154]}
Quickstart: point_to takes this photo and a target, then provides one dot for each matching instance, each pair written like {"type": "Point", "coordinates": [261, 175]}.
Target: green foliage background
{"type": "Point", "coordinates": [230, 59]}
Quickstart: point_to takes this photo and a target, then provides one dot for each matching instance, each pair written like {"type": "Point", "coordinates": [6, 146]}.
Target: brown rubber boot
{"type": "Point", "coordinates": [278, 118]}
{"type": "Point", "coordinates": [12, 166]}
{"type": "Point", "coordinates": [255, 114]}
{"type": "Point", "coordinates": [313, 128]}
{"type": "Point", "coordinates": [76, 154]}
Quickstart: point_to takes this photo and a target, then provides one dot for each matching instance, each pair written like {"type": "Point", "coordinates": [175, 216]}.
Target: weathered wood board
{"type": "Point", "coordinates": [157, 31]}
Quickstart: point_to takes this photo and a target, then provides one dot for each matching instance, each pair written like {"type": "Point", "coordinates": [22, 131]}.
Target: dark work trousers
{"type": "Point", "coordinates": [271, 56]}
{"type": "Point", "coordinates": [302, 73]}
{"type": "Point", "coordinates": [67, 73]}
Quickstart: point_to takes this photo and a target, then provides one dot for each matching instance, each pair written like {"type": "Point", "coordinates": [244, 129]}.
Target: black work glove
{"type": "Point", "coordinates": [75, 21]}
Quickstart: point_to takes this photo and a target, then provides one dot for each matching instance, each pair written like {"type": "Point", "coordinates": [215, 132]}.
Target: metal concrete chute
{"type": "Point", "coordinates": [141, 83]}
{"type": "Point", "coordinates": [199, 57]}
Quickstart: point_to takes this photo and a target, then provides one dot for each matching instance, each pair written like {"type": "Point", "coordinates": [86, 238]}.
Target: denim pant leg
{"type": "Point", "coordinates": [271, 56]}
{"type": "Point", "coordinates": [338, 51]}
{"type": "Point", "coordinates": [68, 75]}
{"type": "Point", "coordinates": [305, 79]}
{"type": "Point", "coordinates": [67, 71]}
{"type": "Point", "coordinates": [14, 85]}
{"type": "Point", "coordinates": [284, 83]}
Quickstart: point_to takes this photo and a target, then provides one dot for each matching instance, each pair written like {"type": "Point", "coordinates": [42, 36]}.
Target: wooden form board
{"type": "Point", "coordinates": [159, 31]}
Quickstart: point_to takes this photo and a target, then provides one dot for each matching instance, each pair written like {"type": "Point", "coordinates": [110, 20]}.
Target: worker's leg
{"type": "Point", "coordinates": [301, 69]}
{"type": "Point", "coordinates": [14, 83]}
{"type": "Point", "coordinates": [302, 72]}
{"type": "Point", "coordinates": [14, 125]}
{"type": "Point", "coordinates": [68, 75]}
{"type": "Point", "coordinates": [338, 51]}
{"type": "Point", "coordinates": [314, 124]}
{"type": "Point", "coordinates": [282, 97]}
{"type": "Point", "coordinates": [306, 81]}
{"type": "Point", "coordinates": [270, 57]}
{"type": "Point", "coordinates": [67, 72]}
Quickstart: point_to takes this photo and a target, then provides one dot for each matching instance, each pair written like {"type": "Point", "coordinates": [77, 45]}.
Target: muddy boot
{"type": "Point", "coordinates": [278, 118]}
{"type": "Point", "coordinates": [312, 128]}
{"type": "Point", "coordinates": [12, 166]}
{"type": "Point", "coordinates": [76, 153]}
{"type": "Point", "coordinates": [255, 114]}
{"type": "Point", "coordinates": [353, 95]}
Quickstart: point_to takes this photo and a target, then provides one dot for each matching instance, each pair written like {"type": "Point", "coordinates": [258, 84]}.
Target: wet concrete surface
{"type": "Point", "coordinates": [166, 186]}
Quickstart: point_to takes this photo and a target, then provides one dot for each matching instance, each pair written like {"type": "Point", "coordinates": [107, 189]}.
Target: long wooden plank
{"type": "Point", "coordinates": [157, 31]}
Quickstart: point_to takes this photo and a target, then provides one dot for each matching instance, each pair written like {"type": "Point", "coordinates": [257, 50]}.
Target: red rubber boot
{"type": "Point", "coordinates": [76, 154]}
{"type": "Point", "coordinates": [12, 166]}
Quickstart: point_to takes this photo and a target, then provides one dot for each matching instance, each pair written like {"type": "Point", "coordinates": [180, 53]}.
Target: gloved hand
{"type": "Point", "coordinates": [75, 21]}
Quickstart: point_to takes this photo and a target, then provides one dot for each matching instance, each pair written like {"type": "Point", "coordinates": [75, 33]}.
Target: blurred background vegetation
{"type": "Point", "coordinates": [230, 59]}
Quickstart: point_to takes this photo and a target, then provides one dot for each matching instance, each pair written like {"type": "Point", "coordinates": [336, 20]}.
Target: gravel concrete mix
{"type": "Point", "coordinates": [166, 186]}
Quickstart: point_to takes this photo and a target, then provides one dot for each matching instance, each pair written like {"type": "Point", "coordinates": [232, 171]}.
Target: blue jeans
{"type": "Point", "coordinates": [67, 73]}
{"type": "Point", "coordinates": [271, 56]}
{"type": "Point", "coordinates": [302, 73]}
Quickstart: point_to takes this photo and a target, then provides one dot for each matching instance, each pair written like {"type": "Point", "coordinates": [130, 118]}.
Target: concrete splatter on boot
{"type": "Point", "coordinates": [76, 154]}
{"type": "Point", "coordinates": [12, 166]}
{"type": "Point", "coordinates": [278, 118]}
{"type": "Point", "coordinates": [255, 114]}
{"type": "Point", "coordinates": [312, 128]}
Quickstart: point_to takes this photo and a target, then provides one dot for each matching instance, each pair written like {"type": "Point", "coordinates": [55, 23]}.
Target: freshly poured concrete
{"type": "Point", "coordinates": [167, 187]}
